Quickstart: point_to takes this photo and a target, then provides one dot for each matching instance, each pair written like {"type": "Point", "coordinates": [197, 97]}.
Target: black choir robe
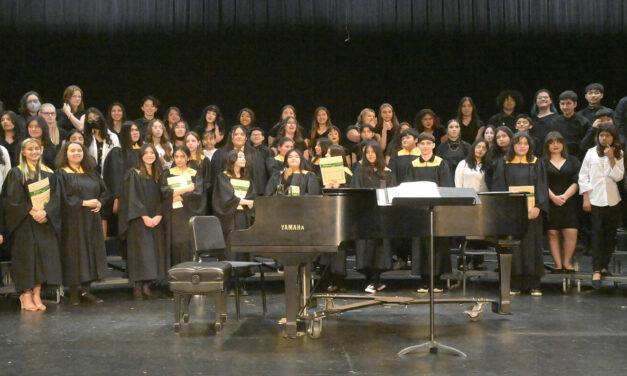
{"type": "Point", "coordinates": [400, 162]}
{"type": "Point", "coordinates": [177, 220]}
{"type": "Point", "coordinates": [115, 167]}
{"type": "Point", "coordinates": [35, 257]}
{"type": "Point", "coordinates": [254, 161]}
{"type": "Point", "coordinates": [306, 181]}
{"type": "Point", "coordinates": [146, 246]}
{"type": "Point", "coordinates": [373, 255]}
{"type": "Point", "coordinates": [274, 164]}
{"type": "Point", "coordinates": [434, 170]}
{"type": "Point", "coordinates": [83, 254]}
{"type": "Point", "coordinates": [204, 167]}
{"type": "Point", "coordinates": [527, 264]}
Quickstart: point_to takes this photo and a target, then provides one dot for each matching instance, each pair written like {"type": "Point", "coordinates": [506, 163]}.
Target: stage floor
{"type": "Point", "coordinates": [557, 334]}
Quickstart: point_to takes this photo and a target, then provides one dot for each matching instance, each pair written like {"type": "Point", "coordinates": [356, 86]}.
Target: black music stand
{"type": "Point", "coordinates": [441, 197]}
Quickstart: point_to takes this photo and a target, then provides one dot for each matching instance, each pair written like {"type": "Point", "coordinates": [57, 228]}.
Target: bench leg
{"type": "Point", "coordinates": [177, 312]}
{"type": "Point", "coordinates": [186, 300]}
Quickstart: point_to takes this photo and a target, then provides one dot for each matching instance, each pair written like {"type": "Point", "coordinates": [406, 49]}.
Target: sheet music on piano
{"type": "Point", "coordinates": [421, 189]}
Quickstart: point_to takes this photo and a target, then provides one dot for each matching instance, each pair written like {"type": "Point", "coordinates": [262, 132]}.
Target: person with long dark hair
{"type": "Point", "coordinates": [82, 192]}
{"type": "Point", "coordinates": [395, 144]}
{"type": "Point", "coordinates": [503, 137]}
{"type": "Point", "coordinates": [10, 135]}
{"type": "Point", "coordinates": [287, 110]}
{"type": "Point", "coordinates": [179, 130]}
{"type": "Point", "coordinates": [293, 179]}
{"type": "Point", "coordinates": [454, 149]}
{"type": "Point", "coordinates": [156, 134]}
{"type": "Point", "coordinates": [562, 172]}
{"type": "Point", "coordinates": [36, 127]}
{"type": "Point", "coordinates": [32, 227]}
{"type": "Point", "coordinates": [238, 140]}
{"type": "Point", "coordinates": [520, 170]}
{"type": "Point", "coordinates": [470, 172]}
{"type": "Point", "coordinates": [116, 117]}
{"type": "Point", "coordinates": [601, 170]}
{"type": "Point", "coordinates": [320, 125]}
{"type": "Point", "coordinates": [468, 118]}
{"type": "Point", "coordinates": [428, 122]}
{"type": "Point", "coordinates": [182, 187]}
{"type": "Point", "coordinates": [276, 163]}
{"type": "Point", "coordinates": [99, 140]}
{"type": "Point", "coordinates": [246, 118]}
{"type": "Point", "coordinates": [373, 256]}
{"type": "Point", "coordinates": [387, 124]}
{"type": "Point", "coordinates": [172, 115]}
{"type": "Point", "coordinates": [290, 128]}
{"type": "Point", "coordinates": [488, 134]}
{"type": "Point", "coordinates": [211, 120]}
{"type": "Point", "coordinates": [141, 223]}
{"type": "Point", "coordinates": [200, 163]}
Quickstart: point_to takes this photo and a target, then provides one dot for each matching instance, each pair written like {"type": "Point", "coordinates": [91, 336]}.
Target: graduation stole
{"type": "Point", "coordinates": [435, 161]}
{"type": "Point", "coordinates": [69, 170]}
{"type": "Point", "coordinates": [415, 152]}
{"type": "Point", "coordinates": [530, 190]}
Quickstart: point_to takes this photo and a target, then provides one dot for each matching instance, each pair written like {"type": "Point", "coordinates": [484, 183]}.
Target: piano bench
{"type": "Point", "coordinates": [199, 278]}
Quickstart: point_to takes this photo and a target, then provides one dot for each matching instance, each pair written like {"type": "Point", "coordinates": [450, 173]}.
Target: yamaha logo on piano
{"type": "Point", "coordinates": [292, 227]}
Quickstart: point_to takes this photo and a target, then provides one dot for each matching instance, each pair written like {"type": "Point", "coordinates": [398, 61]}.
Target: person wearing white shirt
{"type": "Point", "coordinates": [601, 170]}
{"type": "Point", "coordinates": [470, 172]}
{"type": "Point", "coordinates": [99, 140]}
{"type": "Point", "coordinates": [5, 164]}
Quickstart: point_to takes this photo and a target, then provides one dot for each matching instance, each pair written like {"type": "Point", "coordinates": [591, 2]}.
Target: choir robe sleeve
{"type": "Point", "coordinates": [66, 194]}
{"type": "Point", "coordinates": [217, 163]}
{"type": "Point", "coordinates": [313, 186]}
{"type": "Point", "coordinates": [272, 184]}
{"type": "Point", "coordinates": [259, 177]}
{"type": "Point", "coordinates": [541, 187]}
{"type": "Point", "coordinates": [445, 179]}
{"type": "Point", "coordinates": [497, 176]}
{"type": "Point", "coordinates": [206, 172]}
{"type": "Point", "coordinates": [113, 171]}
{"type": "Point", "coordinates": [224, 201]}
{"type": "Point", "coordinates": [195, 201]}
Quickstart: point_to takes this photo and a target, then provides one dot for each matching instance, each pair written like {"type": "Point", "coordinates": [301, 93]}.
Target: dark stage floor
{"type": "Point", "coordinates": [557, 334]}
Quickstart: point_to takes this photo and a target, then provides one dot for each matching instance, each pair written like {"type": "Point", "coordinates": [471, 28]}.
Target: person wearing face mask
{"type": "Point", "coordinates": [594, 96]}
{"type": "Point", "coordinates": [99, 140]}
{"type": "Point", "coordinates": [508, 101]}
{"type": "Point", "coordinates": [29, 106]}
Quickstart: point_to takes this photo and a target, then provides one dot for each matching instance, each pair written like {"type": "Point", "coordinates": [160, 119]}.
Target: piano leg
{"type": "Point", "coordinates": [305, 276]}
{"type": "Point", "coordinates": [505, 273]}
{"type": "Point", "coordinates": [290, 273]}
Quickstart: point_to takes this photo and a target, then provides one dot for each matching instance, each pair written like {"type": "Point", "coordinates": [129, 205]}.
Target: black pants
{"type": "Point", "coordinates": [604, 222]}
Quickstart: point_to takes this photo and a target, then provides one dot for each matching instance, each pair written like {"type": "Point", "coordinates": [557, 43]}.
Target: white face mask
{"type": "Point", "coordinates": [33, 106]}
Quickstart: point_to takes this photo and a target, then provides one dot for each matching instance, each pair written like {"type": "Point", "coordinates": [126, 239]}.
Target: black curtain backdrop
{"type": "Point", "coordinates": [345, 55]}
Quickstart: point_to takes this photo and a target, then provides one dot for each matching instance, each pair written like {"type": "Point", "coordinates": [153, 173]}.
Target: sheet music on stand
{"type": "Point", "coordinates": [426, 193]}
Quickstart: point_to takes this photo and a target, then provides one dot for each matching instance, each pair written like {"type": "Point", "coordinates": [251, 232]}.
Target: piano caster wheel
{"type": "Point", "coordinates": [223, 318]}
{"type": "Point", "coordinates": [476, 313]}
{"type": "Point", "coordinates": [177, 328]}
{"type": "Point", "coordinates": [314, 328]}
{"type": "Point", "coordinates": [217, 327]}
{"type": "Point", "coordinates": [329, 304]}
{"type": "Point", "coordinates": [185, 318]}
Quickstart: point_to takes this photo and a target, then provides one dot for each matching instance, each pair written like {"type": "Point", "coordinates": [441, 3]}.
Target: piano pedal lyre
{"type": "Point", "coordinates": [476, 312]}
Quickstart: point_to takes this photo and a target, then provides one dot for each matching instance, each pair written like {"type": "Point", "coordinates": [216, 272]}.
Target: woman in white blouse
{"type": "Point", "coordinates": [156, 135]}
{"type": "Point", "coordinates": [601, 170]}
{"type": "Point", "coordinates": [470, 171]}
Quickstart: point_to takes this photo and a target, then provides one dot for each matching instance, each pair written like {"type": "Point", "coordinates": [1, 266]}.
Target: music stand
{"type": "Point", "coordinates": [434, 196]}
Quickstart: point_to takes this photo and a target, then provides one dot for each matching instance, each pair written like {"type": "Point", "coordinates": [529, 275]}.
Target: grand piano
{"type": "Point", "coordinates": [296, 230]}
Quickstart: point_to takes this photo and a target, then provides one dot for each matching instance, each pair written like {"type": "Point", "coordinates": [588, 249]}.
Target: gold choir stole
{"type": "Point", "coordinates": [530, 190]}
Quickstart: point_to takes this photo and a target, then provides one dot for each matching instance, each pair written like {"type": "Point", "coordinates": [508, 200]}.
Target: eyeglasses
{"type": "Point", "coordinates": [48, 113]}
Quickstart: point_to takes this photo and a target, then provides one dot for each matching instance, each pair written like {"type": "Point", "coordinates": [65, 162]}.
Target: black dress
{"type": "Point", "coordinates": [83, 254]}
{"type": "Point", "coordinates": [226, 207]}
{"type": "Point", "coordinates": [146, 246]}
{"type": "Point", "coordinates": [558, 180]}
{"type": "Point", "coordinates": [527, 264]}
{"type": "Point", "coordinates": [34, 247]}
{"type": "Point", "coordinates": [48, 155]}
{"type": "Point", "coordinates": [469, 131]}
{"type": "Point", "coordinates": [373, 255]}
{"type": "Point", "coordinates": [453, 152]}
{"type": "Point", "coordinates": [13, 149]}
{"type": "Point", "coordinates": [177, 220]}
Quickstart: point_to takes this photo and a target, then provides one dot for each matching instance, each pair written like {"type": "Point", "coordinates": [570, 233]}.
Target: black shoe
{"type": "Point", "coordinates": [91, 298]}
{"type": "Point", "coordinates": [596, 284]}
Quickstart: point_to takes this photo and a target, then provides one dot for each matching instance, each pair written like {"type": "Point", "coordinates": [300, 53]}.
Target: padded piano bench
{"type": "Point", "coordinates": [199, 278]}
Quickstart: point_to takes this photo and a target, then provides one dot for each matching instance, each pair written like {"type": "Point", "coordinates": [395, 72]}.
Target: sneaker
{"type": "Point", "coordinates": [379, 286]}
{"type": "Point", "coordinates": [333, 288]}
{"type": "Point", "coordinates": [438, 290]}
{"type": "Point", "coordinates": [536, 292]}
{"type": "Point", "coordinates": [514, 292]}
{"type": "Point", "coordinates": [423, 290]}
{"type": "Point", "coordinates": [370, 289]}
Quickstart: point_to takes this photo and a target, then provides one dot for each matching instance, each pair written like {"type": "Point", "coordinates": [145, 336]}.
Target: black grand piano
{"type": "Point", "coordinates": [296, 230]}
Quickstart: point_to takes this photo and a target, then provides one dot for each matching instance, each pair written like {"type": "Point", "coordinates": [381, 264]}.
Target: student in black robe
{"type": "Point", "coordinates": [524, 123]}
{"type": "Point", "coordinates": [400, 161]}
{"type": "Point", "coordinates": [257, 138]}
{"type": "Point", "coordinates": [562, 172]}
{"type": "Point", "coordinates": [428, 122]}
{"type": "Point", "coordinates": [395, 144]}
{"type": "Point", "coordinates": [508, 102]}
{"type": "Point", "coordinates": [238, 139]}
{"type": "Point", "coordinates": [429, 167]}
{"type": "Point", "coordinates": [570, 125]}
{"type": "Point", "coordinates": [36, 127]}
{"type": "Point", "coordinates": [275, 163]}
{"type": "Point", "coordinates": [119, 161]}
{"type": "Point", "coordinates": [496, 152]}
{"type": "Point", "coordinates": [290, 128]}
{"type": "Point", "coordinates": [82, 192]}
{"type": "Point", "coordinates": [10, 135]}
{"type": "Point", "coordinates": [201, 164]}
{"type": "Point", "coordinates": [320, 150]}
{"type": "Point", "coordinates": [293, 179]}
{"type": "Point", "coordinates": [543, 112]}
{"type": "Point", "coordinates": [150, 106]}
{"type": "Point", "coordinates": [454, 149]}
{"type": "Point", "coordinates": [373, 256]}
{"type": "Point", "coordinates": [604, 116]}
{"type": "Point", "coordinates": [181, 203]}
{"type": "Point", "coordinates": [32, 233]}
{"type": "Point", "coordinates": [141, 223]}
{"type": "Point", "coordinates": [520, 168]}
{"type": "Point", "coordinates": [366, 132]}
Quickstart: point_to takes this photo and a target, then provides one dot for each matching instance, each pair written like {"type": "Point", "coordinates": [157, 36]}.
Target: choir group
{"type": "Point", "coordinates": [72, 176]}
